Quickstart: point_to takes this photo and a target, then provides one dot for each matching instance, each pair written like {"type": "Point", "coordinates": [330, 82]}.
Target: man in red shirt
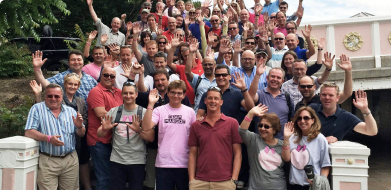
{"type": "Point", "coordinates": [100, 100]}
{"type": "Point", "coordinates": [171, 28]}
{"type": "Point", "coordinates": [216, 140]}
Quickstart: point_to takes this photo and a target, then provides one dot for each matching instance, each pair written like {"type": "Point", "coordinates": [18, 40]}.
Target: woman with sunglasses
{"type": "Point", "coordinates": [161, 42]}
{"type": "Point", "coordinates": [304, 145]}
{"type": "Point", "coordinates": [71, 85]}
{"type": "Point", "coordinates": [264, 150]}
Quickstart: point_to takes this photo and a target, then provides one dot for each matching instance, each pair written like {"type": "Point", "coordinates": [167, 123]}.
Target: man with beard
{"type": "Point", "coordinates": [114, 35]}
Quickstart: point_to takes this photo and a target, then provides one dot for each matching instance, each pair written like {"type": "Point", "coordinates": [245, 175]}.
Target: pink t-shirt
{"type": "Point", "coordinates": [92, 69]}
{"type": "Point", "coordinates": [174, 128]}
{"type": "Point", "coordinates": [252, 18]}
{"type": "Point", "coordinates": [282, 30]}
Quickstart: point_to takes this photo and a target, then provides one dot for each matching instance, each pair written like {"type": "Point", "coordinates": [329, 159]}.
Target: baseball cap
{"type": "Point", "coordinates": [145, 11]}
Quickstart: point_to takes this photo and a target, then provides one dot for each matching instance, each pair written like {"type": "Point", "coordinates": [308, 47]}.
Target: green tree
{"type": "Point", "coordinates": [23, 17]}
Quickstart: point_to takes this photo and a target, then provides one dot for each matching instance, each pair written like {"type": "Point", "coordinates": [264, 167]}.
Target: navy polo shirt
{"type": "Point", "coordinates": [314, 100]}
{"type": "Point", "coordinates": [301, 53]}
{"type": "Point", "coordinates": [337, 125]}
{"type": "Point", "coordinates": [232, 99]}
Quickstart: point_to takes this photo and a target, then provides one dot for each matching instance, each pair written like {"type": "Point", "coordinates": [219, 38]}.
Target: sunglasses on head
{"type": "Point", "coordinates": [221, 74]}
{"type": "Point", "coordinates": [72, 74]}
{"type": "Point", "coordinates": [306, 86]}
{"type": "Point", "coordinates": [215, 87]}
{"type": "Point", "coordinates": [306, 118]}
{"type": "Point", "coordinates": [266, 126]}
{"type": "Point", "coordinates": [51, 96]}
{"type": "Point", "coordinates": [106, 75]}
{"type": "Point", "coordinates": [278, 39]}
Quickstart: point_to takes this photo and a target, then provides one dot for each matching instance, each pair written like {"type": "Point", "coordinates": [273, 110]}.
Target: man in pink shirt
{"type": "Point", "coordinates": [281, 21]}
{"type": "Point", "coordinates": [173, 121]}
{"type": "Point", "coordinates": [94, 68]}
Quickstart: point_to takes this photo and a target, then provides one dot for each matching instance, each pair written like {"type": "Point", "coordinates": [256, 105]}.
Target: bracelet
{"type": "Point", "coordinates": [149, 108]}
{"type": "Point", "coordinates": [366, 114]}
{"type": "Point", "coordinates": [49, 137]}
{"type": "Point", "coordinates": [134, 39]}
{"type": "Point", "coordinates": [36, 69]}
{"type": "Point", "coordinates": [320, 49]}
{"type": "Point", "coordinates": [247, 119]}
{"type": "Point", "coordinates": [285, 147]}
{"type": "Point", "coordinates": [131, 74]}
{"type": "Point", "coordinates": [328, 69]}
{"type": "Point", "coordinates": [88, 43]}
{"type": "Point", "coordinates": [244, 90]}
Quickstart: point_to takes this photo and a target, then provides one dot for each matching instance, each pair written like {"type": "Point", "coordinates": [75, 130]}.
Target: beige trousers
{"type": "Point", "coordinates": [206, 185]}
{"type": "Point", "coordinates": [58, 172]}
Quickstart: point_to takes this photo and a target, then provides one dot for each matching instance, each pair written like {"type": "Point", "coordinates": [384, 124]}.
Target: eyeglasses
{"type": "Point", "coordinates": [233, 28]}
{"type": "Point", "coordinates": [217, 20]}
{"type": "Point", "coordinates": [191, 13]}
{"type": "Point", "coordinates": [306, 86]}
{"type": "Point", "coordinates": [215, 40]}
{"type": "Point", "coordinates": [72, 74]}
{"type": "Point", "coordinates": [176, 93]}
{"type": "Point", "coordinates": [221, 75]}
{"type": "Point", "coordinates": [248, 59]}
{"type": "Point", "coordinates": [306, 118]}
{"type": "Point", "coordinates": [279, 39]}
{"type": "Point", "coordinates": [216, 11]}
{"type": "Point", "coordinates": [51, 96]}
{"type": "Point", "coordinates": [107, 76]}
{"type": "Point", "coordinates": [272, 17]}
{"type": "Point", "coordinates": [250, 43]}
{"type": "Point", "coordinates": [290, 28]}
{"type": "Point", "coordinates": [147, 7]}
{"type": "Point", "coordinates": [266, 126]}
{"type": "Point", "coordinates": [282, 7]}
{"type": "Point", "coordinates": [180, 35]}
{"type": "Point", "coordinates": [162, 42]}
{"type": "Point", "coordinates": [214, 87]}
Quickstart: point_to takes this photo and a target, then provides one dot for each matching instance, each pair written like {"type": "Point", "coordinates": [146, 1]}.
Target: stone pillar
{"type": "Point", "coordinates": [18, 163]}
{"type": "Point", "coordinates": [349, 162]}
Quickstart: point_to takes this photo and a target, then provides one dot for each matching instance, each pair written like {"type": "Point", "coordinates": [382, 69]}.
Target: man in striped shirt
{"type": "Point", "coordinates": [54, 125]}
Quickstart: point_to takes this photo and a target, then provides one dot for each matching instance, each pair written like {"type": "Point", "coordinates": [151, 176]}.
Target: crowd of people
{"type": "Point", "coordinates": [216, 97]}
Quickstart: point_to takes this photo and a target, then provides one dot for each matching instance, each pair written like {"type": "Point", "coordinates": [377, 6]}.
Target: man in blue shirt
{"type": "Point", "coordinates": [292, 42]}
{"type": "Point", "coordinates": [271, 7]}
{"type": "Point", "coordinates": [54, 125]}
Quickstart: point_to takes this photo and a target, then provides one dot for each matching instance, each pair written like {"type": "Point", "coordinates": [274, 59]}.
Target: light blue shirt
{"type": "Point", "coordinates": [42, 119]}
{"type": "Point", "coordinates": [202, 88]}
{"type": "Point", "coordinates": [273, 7]}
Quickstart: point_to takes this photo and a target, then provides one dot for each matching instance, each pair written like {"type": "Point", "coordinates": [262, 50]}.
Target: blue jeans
{"type": "Point", "coordinates": [169, 178]}
{"type": "Point", "coordinates": [133, 174]}
{"type": "Point", "coordinates": [100, 154]}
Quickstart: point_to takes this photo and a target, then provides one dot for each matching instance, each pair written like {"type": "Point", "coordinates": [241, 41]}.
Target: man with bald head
{"type": "Point", "coordinates": [215, 22]}
{"type": "Point", "coordinates": [279, 50]}
{"type": "Point", "coordinates": [244, 16]}
{"type": "Point", "coordinates": [114, 35]}
{"type": "Point", "coordinates": [100, 100]}
{"type": "Point", "coordinates": [292, 41]}
{"type": "Point", "coordinates": [171, 29]}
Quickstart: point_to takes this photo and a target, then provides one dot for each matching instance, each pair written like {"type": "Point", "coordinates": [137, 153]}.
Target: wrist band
{"type": "Point", "coordinates": [149, 108]}
{"type": "Point", "coordinates": [49, 137]}
{"type": "Point", "coordinates": [328, 69]}
{"type": "Point", "coordinates": [88, 44]}
{"type": "Point", "coordinates": [285, 147]}
{"type": "Point", "coordinates": [134, 39]}
{"type": "Point", "coordinates": [244, 90]}
{"type": "Point", "coordinates": [36, 69]}
{"type": "Point", "coordinates": [320, 49]}
{"type": "Point", "coordinates": [131, 74]}
{"type": "Point", "coordinates": [247, 119]}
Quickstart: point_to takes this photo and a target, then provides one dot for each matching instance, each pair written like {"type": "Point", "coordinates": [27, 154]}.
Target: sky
{"type": "Point", "coordinates": [316, 10]}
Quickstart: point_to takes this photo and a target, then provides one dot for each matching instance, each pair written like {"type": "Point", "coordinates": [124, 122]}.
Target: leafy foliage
{"type": "Point", "coordinates": [13, 118]}
{"type": "Point", "coordinates": [197, 4]}
{"type": "Point", "coordinates": [23, 17]}
{"type": "Point", "coordinates": [83, 40]}
{"type": "Point", "coordinates": [14, 60]}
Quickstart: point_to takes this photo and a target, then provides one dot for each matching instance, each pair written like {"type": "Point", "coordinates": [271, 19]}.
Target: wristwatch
{"type": "Point", "coordinates": [235, 181]}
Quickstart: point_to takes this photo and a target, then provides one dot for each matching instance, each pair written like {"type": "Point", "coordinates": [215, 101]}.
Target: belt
{"type": "Point", "coordinates": [55, 156]}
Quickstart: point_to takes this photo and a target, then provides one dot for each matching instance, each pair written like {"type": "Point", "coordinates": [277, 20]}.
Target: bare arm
{"type": "Point", "coordinates": [37, 89]}
{"type": "Point", "coordinates": [307, 35]}
{"type": "Point", "coordinates": [37, 64]}
{"type": "Point", "coordinates": [288, 132]}
{"type": "Point", "coordinates": [200, 113]}
{"type": "Point", "coordinates": [325, 171]}
{"type": "Point", "coordinates": [192, 162]}
{"type": "Point", "coordinates": [193, 48]}
{"type": "Point", "coordinates": [236, 52]}
{"type": "Point", "coordinates": [100, 112]}
{"type": "Point", "coordinates": [369, 127]}
{"type": "Point", "coordinates": [91, 37]}
{"type": "Point", "coordinates": [136, 32]}
{"type": "Point", "coordinates": [254, 84]}
{"type": "Point", "coordinates": [92, 11]}
{"type": "Point", "coordinates": [237, 149]}
{"type": "Point", "coordinates": [153, 98]}
{"type": "Point", "coordinates": [346, 65]}
{"type": "Point", "coordinates": [239, 83]}
{"type": "Point", "coordinates": [328, 63]}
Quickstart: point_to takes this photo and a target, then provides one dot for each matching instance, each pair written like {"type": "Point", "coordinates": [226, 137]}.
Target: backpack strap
{"type": "Point", "coordinates": [197, 84]}
{"type": "Point", "coordinates": [140, 112]}
{"type": "Point", "coordinates": [288, 102]}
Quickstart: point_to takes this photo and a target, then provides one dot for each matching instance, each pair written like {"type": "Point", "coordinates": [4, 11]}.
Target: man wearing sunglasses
{"type": "Point", "coordinates": [100, 100]}
{"type": "Point", "coordinates": [291, 28]}
{"type": "Point", "coordinates": [114, 35]}
{"type": "Point", "coordinates": [279, 50]}
{"type": "Point", "coordinates": [54, 125]}
{"type": "Point", "coordinates": [233, 31]}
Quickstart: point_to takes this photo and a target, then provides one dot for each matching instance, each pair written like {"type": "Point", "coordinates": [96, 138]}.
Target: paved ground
{"type": "Point", "coordinates": [379, 172]}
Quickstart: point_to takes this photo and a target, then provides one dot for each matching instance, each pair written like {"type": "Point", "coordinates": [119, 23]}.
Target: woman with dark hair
{"type": "Point", "coordinates": [304, 145]}
{"type": "Point", "coordinates": [289, 58]}
{"type": "Point", "coordinates": [161, 43]}
{"type": "Point", "coordinates": [145, 37]}
{"type": "Point", "coordinates": [228, 57]}
{"type": "Point", "coordinates": [264, 150]}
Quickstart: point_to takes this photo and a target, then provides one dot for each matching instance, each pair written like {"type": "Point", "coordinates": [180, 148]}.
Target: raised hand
{"type": "Point", "coordinates": [207, 4]}
{"type": "Point", "coordinates": [239, 81]}
{"type": "Point", "coordinates": [266, 16]}
{"type": "Point", "coordinates": [135, 124]}
{"type": "Point", "coordinates": [245, 28]}
{"type": "Point", "coordinates": [328, 60]}
{"type": "Point", "coordinates": [258, 110]}
{"type": "Point", "coordinates": [272, 25]}
{"type": "Point", "coordinates": [108, 62]}
{"type": "Point", "coordinates": [37, 89]}
{"type": "Point", "coordinates": [258, 9]}
{"type": "Point", "coordinates": [127, 70]}
{"type": "Point", "coordinates": [37, 59]}
{"type": "Point", "coordinates": [345, 64]}
{"type": "Point", "coordinates": [211, 37]}
{"type": "Point", "coordinates": [136, 28]}
{"type": "Point", "coordinates": [193, 45]}
{"type": "Point", "coordinates": [261, 67]}
{"type": "Point", "coordinates": [187, 21]}
{"type": "Point", "coordinates": [103, 39]}
{"type": "Point", "coordinates": [227, 3]}
{"type": "Point", "coordinates": [55, 141]}
{"type": "Point", "coordinates": [237, 46]}
{"type": "Point", "coordinates": [159, 31]}
{"type": "Point", "coordinates": [137, 69]}
{"type": "Point", "coordinates": [89, 2]}
{"type": "Point", "coordinates": [153, 96]}
{"type": "Point", "coordinates": [175, 41]}
{"type": "Point", "coordinates": [123, 17]}
{"type": "Point", "coordinates": [92, 35]}
{"type": "Point", "coordinates": [129, 25]}
{"type": "Point", "coordinates": [200, 21]}
{"type": "Point", "coordinates": [167, 46]}
{"type": "Point", "coordinates": [307, 31]}
{"type": "Point", "coordinates": [361, 101]}
{"type": "Point", "coordinates": [229, 13]}
{"type": "Point", "coordinates": [78, 120]}
{"type": "Point", "coordinates": [225, 19]}
{"type": "Point", "coordinates": [300, 12]}
{"type": "Point", "coordinates": [224, 46]}
{"type": "Point", "coordinates": [288, 130]}
{"type": "Point", "coordinates": [321, 43]}
{"type": "Point", "coordinates": [106, 123]}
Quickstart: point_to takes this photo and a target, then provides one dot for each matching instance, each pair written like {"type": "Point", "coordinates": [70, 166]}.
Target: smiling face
{"type": "Point", "coordinates": [281, 19]}
{"type": "Point", "coordinates": [71, 86]}
{"type": "Point", "coordinates": [222, 77]}
{"type": "Point", "coordinates": [53, 98]}
{"type": "Point", "coordinates": [305, 122]}
{"type": "Point", "coordinates": [290, 28]}
{"type": "Point", "coordinates": [146, 39]}
{"type": "Point", "coordinates": [159, 63]}
{"type": "Point", "coordinates": [151, 49]}
{"type": "Point", "coordinates": [250, 44]}
{"type": "Point", "coordinates": [329, 97]}
{"type": "Point", "coordinates": [144, 16]}
{"type": "Point", "coordinates": [208, 65]}
{"type": "Point", "coordinates": [176, 96]}
{"type": "Point", "coordinates": [160, 82]}
{"type": "Point", "coordinates": [299, 70]}
{"type": "Point", "coordinates": [215, 21]}
{"type": "Point", "coordinates": [151, 22]}
{"type": "Point", "coordinates": [115, 24]}
{"type": "Point", "coordinates": [275, 79]}
{"type": "Point", "coordinates": [98, 56]}
{"type": "Point", "coordinates": [188, 6]}
{"type": "Point", "coordinates": [266, 133]}
{"type": "Point", "coordinates": [244, 16]}
{"type": "Point", "coordinates": [108, 77]}
{"type": "Point", "coordinates": [179, 21]}
{"type": "Point", "coordinates": [292, 41]}
{"type": "Point", "coordinates": [288, 61]}
{"type": "Point", "coordinates": [279, 40]}
{"type": "Point", "coordinates": [162, 44]}
{"type": "Point", "coordinates": [306, 81]}
{"type": "Point", "coordinates": [248, 60]}
{"type": "Point", "coordinates": [180, 6]}
{"type": "Point", "coordinates": [75, 63]}
{"type": "Point", "coordinates": [171, 24]}
{"type": "Point", "coordinates": [213, 101]}
{"type": "Point", "coordinates": [181, 35]}
{"type": "Point", "coordinates": [126, 56]}
{"type": "Point", "coordinates": [129, 95]}
{"type": "Point", "coordinates": [233, 29]}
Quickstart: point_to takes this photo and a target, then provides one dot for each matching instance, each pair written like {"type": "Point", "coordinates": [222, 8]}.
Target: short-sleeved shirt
{"type": "Point", "coordinates": [316, 153]}
{"type": "Point", "coordinates": [149, 83]}
{"type": "Point", "coordinates": [280, 29]}
{"type": "Point", "coordinates": [277, 55]}
{"type": "Point", "coordinates": [202, 88]}
{"type": "Point", "coordinates": [101, 97]}
{"type": "Point", "coordinates": [249, 79]}
{"type": "Point", "coordinates": [86, 83]}
{"type": "Point", "coordinates": [293, 89]}
{"type": "Point", "coordinates": [93, 70]}
{"type": "Point", "coordinates": [123, 152]}
{"type": "Point", "coordinates": [266, 164]}
{"type": "Point", "coordinates": [118, 38]}
{"type": "Point", "coordinates": [174, 128]}
{"type": "Point", "coordinates": [148, 64]}
{"type": "Point", "coordinates": [180, 69]}
{"type": "Point", "coordinates": [301, 53]}
{"type": "Point", "coordinates": [337, 125]}
{"type": "Point", "coordinates": [169, 35]}
{"type": "Point", "coordinates": [277, 105]}
{"type": "Point", "coordinates": [271, 8]}
{"type": "Point", "coordinates": [314, 100]}
{"type": "Point", "coordinates": [215, 148]}
{"type": "Point", "coordinates": [232, 102]}
{"type": "Point", "coordinates": [195, 31]}
{"type": "Point", "coordinates": [164, 20]}
{"type": "Point", "coordinates": [42, 119]}
{"type": "Point", "coordinates": [252, 18]}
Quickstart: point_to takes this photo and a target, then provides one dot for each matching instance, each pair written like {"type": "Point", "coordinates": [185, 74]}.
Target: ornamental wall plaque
{"type": "Point", "coordinates": [353, 41]}
{"type": "Point", "coordinates": [314, 42]}
{"type": "Point", "coordinates": [389, 38]}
